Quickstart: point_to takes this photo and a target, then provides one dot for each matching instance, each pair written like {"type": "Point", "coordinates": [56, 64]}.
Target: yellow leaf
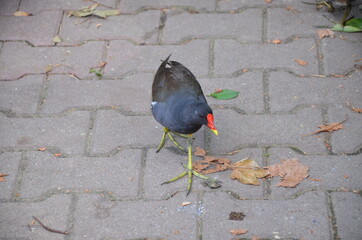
{"type": "Point", "coordinates": [247, 171]}
{"type": "Point", "coordinates": [57, 39]}
{"type": "Point", "coordinates": [22, 14]}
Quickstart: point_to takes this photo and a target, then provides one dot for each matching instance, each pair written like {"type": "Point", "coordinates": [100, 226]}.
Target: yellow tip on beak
{"type": "Point", "coordinates": [215, 131]}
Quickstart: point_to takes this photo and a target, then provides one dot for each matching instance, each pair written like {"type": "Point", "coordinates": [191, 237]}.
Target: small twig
{"type": "Point", "coordinates": [50, 229]}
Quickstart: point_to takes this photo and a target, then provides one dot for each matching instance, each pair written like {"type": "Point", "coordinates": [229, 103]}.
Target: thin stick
{"type": "Point", "coordinates": [50, 229]}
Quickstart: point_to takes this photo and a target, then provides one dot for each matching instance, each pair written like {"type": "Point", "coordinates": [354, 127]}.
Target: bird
{"type": "Point", "coordinates": [179, 105]}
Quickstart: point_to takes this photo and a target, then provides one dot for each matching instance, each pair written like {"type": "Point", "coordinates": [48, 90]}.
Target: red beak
{"type": "Point", "coordinates": [210, 123]}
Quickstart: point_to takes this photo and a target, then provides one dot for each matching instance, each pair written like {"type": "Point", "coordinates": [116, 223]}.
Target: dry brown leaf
{"type": "Point", "coordinates": [199, 152]}
{"type": "Point", "coordinates": [292, 172]}
{"type": "Point", "coordinates": [322, 33]}
{"type": "Point", "coordinates": [233, 152]}
{"type": "Point", "coordinates": [2, 177]}
{"type": "Point", "coordinates": [292, 9]}
{"type": "Point", "coordinates": [276, 41]}
{"type": "Point", "coordinates": [329, 128]}
{"type": "Point", "coordinates": [300, 62]}
{"type": "Point", "coordinates": [268, 1]}
{"type": "Point", "coordinates": [238, 231]}
{"type": "Point", "coordinates": [185, 204]}
{"type": "Point", "coordinates": [211, 164]}
{"type": "Point", "coordinates": [218, 90]}
{"type": "Point", "coordinates": [357, 110]}
{"type": "Point", "coordinates": [41, 149]}
{"type": "Point", "coordinates": [102, 64]}
{"type": "Point", "coordinates": [315, 179]}
{"type": "Point", "coordinates": [22, 14]}
{"type": "Point", "coordinates": [247, 171]}
{"type": "Point", "coordinates": [245, 70]}
{"type": "Point", "coordinates": [57, 154]}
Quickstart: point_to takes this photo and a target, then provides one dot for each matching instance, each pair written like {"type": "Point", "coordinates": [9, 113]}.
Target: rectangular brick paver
{"type": "Point", "coordinates": [8, 7]}
{"type": "Point", "coordinates": [144, 28]}
{"type": "Point", "coordinates": [67, 133]}
{"type": "Point", "coordinates": [347, 207]}
{"type": "Point", "coordinates": [238, 131]}
{"type": "Point", "coordinates": [46, 28]}
{"type": "Point", "coordinates": [231, 56]}
{"type": "Point", "coordinates": [9, 162]}
{"type": "Point", "coordinates": [64, 59]}
{"type": "Point", "coordinates": [21, 96]}
{"type": "Point", "coordinates": [304, 217]}
{"type": "Point", "coordinates": [117, 174]}
{"type": "Point", "coordinates": [147, 58]}
{"type": "Point", "coordinates": [53, 212]}
{"type": "Point", "coordinates": [221, 25]}
{"type": "Point", "coordinates": [65, 92]}
{"type": "Point", "coordinates": [127, 220]}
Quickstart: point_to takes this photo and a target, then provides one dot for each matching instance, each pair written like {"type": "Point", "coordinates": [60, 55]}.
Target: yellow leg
{"type": "Point", "coordinates": [163, 140]}
{"type": "Point", "coordinates": [189, 171]}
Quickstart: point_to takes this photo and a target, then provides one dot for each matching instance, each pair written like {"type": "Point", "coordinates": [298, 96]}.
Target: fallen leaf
{"type": "Point", "coordinates": [225, 94]}
{"type": "Point", "coordinates": [268, 1]}
{"type": "Point", "coordinates": [247, 171]}
{"type": "Point", "coordinates": [290, 170]}
{"type": "Point", "coordinates": [353, 25]}
{"type": "Point", "coordinates": [245, 70]}
{"type": "Point", "coordinates": [102, 64]}
{"type": "Point", "coordinates": [276, 41]}
{"type": "Point", "coordinates": [22, 14]}
{"type": "Point", "coordinates": [300, 62]}
{"type": "Point", "coordinates": [41, 149]}
{"type": "Point", "coordinates": [329, 128]}
{"type": "Point", "coordinates": [57, 39]}
{"type": "Point", "coordinates": [98, 25]}
{"type": "Point", "coordinates": [357, 110]}
{"type": "Point", "coordinates": [292, 9]}
{"type": "Point", "coordinates": [98, 73]}
{"type": "Point", "coordinates": [211, 164]}
{"type": "Point", "coordinates": [322, 33]}
{"type": "Point", "coordinates": [48, 68]}
{"type": "Point", "coordinates": [233, 152]}
{"type": "Point", "coordinates": [314, 179]}
{"type": "Point", "coordinates": [57, 154]}
{"type": "Point", "coordinates": [2, 177]}
{"type": "Point", "coordinates": [185, 204]}
{"type": "Point", "coordinates": [238, 231]}
{"type": "Point", "coordinates": [200, 152]}
{"type": "Point", "coordinates": [91, 11]}
{"type": "Point", "coordinates": [236, 216]}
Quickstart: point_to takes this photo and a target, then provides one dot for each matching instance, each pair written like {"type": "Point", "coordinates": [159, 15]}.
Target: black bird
{"type": "Point", "coordinates": [179, 104]}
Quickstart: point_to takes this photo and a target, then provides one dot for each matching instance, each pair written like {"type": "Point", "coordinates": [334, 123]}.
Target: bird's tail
{"type": "Point", "coordinates": [164, 62]}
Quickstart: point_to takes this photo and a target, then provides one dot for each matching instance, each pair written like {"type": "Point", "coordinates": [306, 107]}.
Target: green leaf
{"type": "Point", "coordinates": [224, 94]}
{"type": "Point", "coordinates": [91, 10]}
{"type": "Point", "coordinates": [353, 25]}
{"type": "Point", "coordinates": [96, 72]}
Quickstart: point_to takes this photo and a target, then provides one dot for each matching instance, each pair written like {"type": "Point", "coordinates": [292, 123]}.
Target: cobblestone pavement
{"type": "Point", "coordinates": [99, 176]}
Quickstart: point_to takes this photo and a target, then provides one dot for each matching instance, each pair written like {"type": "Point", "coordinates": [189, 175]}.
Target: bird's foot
{"type": "Point", "coordinates": [211, 182]}
{"type": "Point", "coordinates": [167, 132]}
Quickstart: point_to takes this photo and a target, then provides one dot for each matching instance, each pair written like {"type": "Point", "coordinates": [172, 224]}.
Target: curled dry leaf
{"type": "Point", "coordinates": [238, 231]}
{"type": "Point", "coordinates": [211, 164]}
{"type": "Point", "coordinates": [329, 128]}
{"type": "Point", "coordinates": [300, 62]}
{"type": "Point", "coordinates": [291, 171]}
{"type": "Point", "coordinates": [57, 154]}
{"type": "Point", "coordinates": [357, 110]}
{"type": "Point", "coordinates": [325, 33]}
{"type": "Point", "coordinates": [276, 41]}
{"type": "Point", "coordinates": [2, 177]}
{"type": "Point", "coordinates": [22, 14]}
{"type": "Point", "coordinates": [41, 149]}
{"type": "Point", "coordinates": [200, 152]}
{"type": "Point", "coordinates": [247, 171]}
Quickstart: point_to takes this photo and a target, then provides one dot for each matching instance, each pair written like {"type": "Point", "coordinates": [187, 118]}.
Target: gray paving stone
{"type": "Point", "coordinates": [118, 174]}
{"type": "Point", "coordinates": [9, 162]}
{"type": "Point", "coordinates": [177, 27]}
{"type": "Point", "coordinates": [142, 28]}
{"type": "Point", "coordinates": [335, 172]}
{"type": "Point", "coordinates": [64, 59]}
{"type": "Point", "coordinates": [249, 84]}
{"type": "Point", "coordinates": [236, 130]}
{"type": "Point", "coordinates": [305, 217]}
{"type": "Point", "coordinates": [21, 96]}
{"type": "Point", "coordinates": [68, 133]}
{"type": "Point", "coordinates": [147, 57]}
{"type": "Point", "coordinates": [38, 6]}
{"type": "Point", "coordinates": [347, 207]}
{"type": "Point", "coordinates": [287, 91]}
{"type": "Point", "coordinates": [284, 27]}
{"type": "Point", "coordinates": [165, 165]}
{"type": "Point", "coordinates": [132, 93]}
{"type": "Point", "coordinates": [16, 216]}
{"type": "Point", "coordinates": [112, 129]}
{"type": "Point", "coordinates": [136, 219]}
{"type": "Point", "coordinates": [339, 62]}
{"type": "Point", "coordinates": [347, 140]}
{"type": "Point", "coordinates": [231, 56]}
{"type": "Point", "coordinates": [8, 7]}
{"type": "Point", "coordinates": [127, 6]}
{"type": "Point", "coordinates": [233, 5]}
{"type": "Point", "coordinates": [46, 28]}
